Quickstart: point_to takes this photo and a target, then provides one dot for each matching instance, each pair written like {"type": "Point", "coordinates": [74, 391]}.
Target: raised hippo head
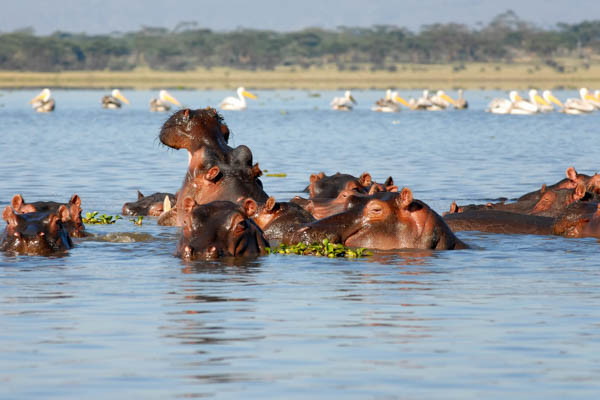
{"type": "Point", "coordinates": [193, 129]}
{"type": "Point", "coordinates": [219, 229]}
{"type": "Point", "coordinates": [328, 187]}
{"type": "Point", "coordinates": [152, 205]}
{"type": "Point", "coordinates": [35, 233]}
{"type": "Point", "coordinates": [389, 221]}
{"type": "Point", "coordinates": [73, 224]}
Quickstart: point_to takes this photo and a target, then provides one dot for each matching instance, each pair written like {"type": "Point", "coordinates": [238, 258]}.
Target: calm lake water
{"type": "Point", "coordinates": [120, 317]}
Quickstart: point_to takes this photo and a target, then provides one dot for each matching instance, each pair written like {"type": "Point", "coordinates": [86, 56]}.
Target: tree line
{"type": "Point", "coordinates": [505, 38]}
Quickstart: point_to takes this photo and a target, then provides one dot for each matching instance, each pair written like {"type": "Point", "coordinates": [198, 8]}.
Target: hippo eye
{"type": "Point", "coordinates": [241, 226]}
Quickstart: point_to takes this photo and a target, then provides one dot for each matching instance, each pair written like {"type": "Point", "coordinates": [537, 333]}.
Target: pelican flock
{"type": "Point", "coordinates": [114, 100]}
{"type": "Point", "coordinates": [43, 102]}
{"type": "Point", "coordinates": [237, 103]}
{"type": "Point", "coordinates": [162, 103]}
{"type": "Point", "coordinates": [515, 104]}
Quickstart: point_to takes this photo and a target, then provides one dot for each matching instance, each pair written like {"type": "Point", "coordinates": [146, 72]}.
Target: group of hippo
{"type": "Point", "coordinates": [223, 211]}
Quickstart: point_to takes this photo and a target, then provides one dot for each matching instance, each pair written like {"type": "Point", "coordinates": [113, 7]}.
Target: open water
{"type": "Point", "coordinates": [120, 317]}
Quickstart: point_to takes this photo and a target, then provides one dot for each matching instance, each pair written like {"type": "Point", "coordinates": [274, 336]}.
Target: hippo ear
{"type": "Point", "coordinates": [9, 216]}
{"type": "Point", "coordinates": [17, 202]}
{"type": "Point", "coordinates": [188, 204]}
{"type": "Point", "coordinates": [256, 172]}
{"type": "Point", "coordinates": [140, 195]}
{"type": "Point", "coordinates": [250, 207]}
{"type": "Point", "coordinates": [406, 197]}
{"type": "Point", "coordinates": [63, 213]}
{"type": "Point", "coordinates": [76, 200]}
{"type": "Point", "coordinates": [53, 221]}
{"type": "Point", "coordinates": [270, 204]}
{"type": "Point", "coordinates": [316, 177]}
{"type": "Point", "coordinates": [365, 179]}
{"type": "Point", "coordinates": [572, 174]}
{"type": "Point", "coordinates": [389, 182]}
{"type": "Point", "coordinates": [186, 114]}
{"type": "Point", "coordinates": [453, 207]}
{"type": "Point", "coordinates": [579, 191]}
{"type": "Point", "coordinates": [543, 189]}
{"type": "Point", "coordinates": [374, 189]}
{"type": "Point", "coordinates": [393, 188]}
{"type": "Point", "coordinates": [212, 174]}
{"type": "Point", "coordinates": [225, 132]}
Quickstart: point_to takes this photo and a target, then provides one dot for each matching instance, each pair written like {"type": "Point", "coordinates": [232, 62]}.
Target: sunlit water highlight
{"type": "Point", "coordinates": [119, 316]}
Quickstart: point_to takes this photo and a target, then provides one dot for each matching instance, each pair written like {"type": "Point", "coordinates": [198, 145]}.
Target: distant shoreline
{"type": "Point", "coordinates": [485, 76]}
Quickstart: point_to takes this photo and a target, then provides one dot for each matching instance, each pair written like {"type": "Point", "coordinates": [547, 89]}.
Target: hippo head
{"type": "Point", "coordinates": [192, 129]}
{"type": "Point", "coordinates": [219, 229]}
{"type": "Point", "coordinates": [387, 221]}
{"type": "Point", "coordinates": [35, 233]}
{"type": "Point", "coordinates": [73, 224]}
{"type": "Point", "coordinates": [278, 218]}
{"type": "Point", "coordinates": [322, 186]}
{"type": "Point", "coordinates": [153, 205]}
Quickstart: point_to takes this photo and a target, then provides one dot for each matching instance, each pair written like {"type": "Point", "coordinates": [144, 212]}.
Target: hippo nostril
{"type": "Point", "coordinates": [187, 252]}
{"type": "Point", "coordinates": [17, 234]}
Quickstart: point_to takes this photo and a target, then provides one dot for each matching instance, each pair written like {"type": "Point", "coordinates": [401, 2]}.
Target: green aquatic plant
{"type": "Point", "coordinates": [94, 218]}
{"type": "Point", "coordinates": [323, 249]}
{"type": "Point", "coordinates": [280, 175]}
{"type": "Point", "coordinates": [138, 220]}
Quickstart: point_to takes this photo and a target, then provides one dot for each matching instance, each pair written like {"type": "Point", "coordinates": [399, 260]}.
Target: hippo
{"type": "Point", "coordinates": [322, 208]}
{"type": "Point", "coordinates": [391, 221]}
{"type": "Point", "coordinates": [328, 187]}
{"type": "Point", "coordinates": [73, 222]}
{"type": "Point", "coordinates": [193, 129]}
{"type": "Point", "coordinates": [277, 219]}
{"type": "Point", "coordinates": [219, 229]}
{"type": "Point", "coordinates": [152, 205]}
{"type": "Point", "coordinates": [549, 202]}
{"type": "Point", "coordinates": [591, 183]}
{"type": "Point", "coordinates": [498, 221]}
{"type": "Point", "coordinates": [580, 219]}
{"type": "Point", "coordinates": [216, 172]}
{"type": "Point", "coordinates": [36, 232]}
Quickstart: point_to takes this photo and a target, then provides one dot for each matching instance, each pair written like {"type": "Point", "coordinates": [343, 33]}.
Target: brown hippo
{"type": "Point", "coordinates": [73, 223]}
{"type": "Point", "coordinates": [152, 205]}
{"type": "Point", "coordinates": [573, 178]}
{"type": "Point", "coordinates": [219, 229]}
{"type": "Point", "coordinates": [328, 187]}
{"type": "Point", "coordinates": [391, 221]}
{"type": "Point", "coordinates": [277, 219]}
{"type": "Point", "coordinates": [193, 129]}
{"type": "Point", "coordinates": [36, 232]}
{"type": "Point", "coordinates": [580, 219]}
{"type": "Point", "coordinates": [498, 221]}
{"type": "Point", "coordinates": [550, 202]}
{"type": "Point", "coordinates": [322, 208]}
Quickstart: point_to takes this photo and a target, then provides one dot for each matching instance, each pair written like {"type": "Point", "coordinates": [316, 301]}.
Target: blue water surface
{"type": "Point", "coordinates": [120, 317]}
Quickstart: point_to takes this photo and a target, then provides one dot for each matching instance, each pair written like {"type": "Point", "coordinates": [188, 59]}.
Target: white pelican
{"type": "Point", "coordinates": [236, 103]}
{"type": "Point", "coordinates": [386, 104]}
{"type": "Point", "coordinates": [442, 100]}
{"type": "Point", "coordinates": [114, 99]}
{"type": "Point", "coordinates": [500, 106]}
{"type": "Point", "coordinates": [162, 103]}
{"type": "Point", "coordinates": [590, 98]}
{"type": "Point", "coordinates": [573, 106]}
{"type": "Point", "coordinates": [343, 103]}
{"type": "Point", "coordinates": [461, 103]}
{"type": "Point", "coordinates": [597, 94]}
{"type": "Point", "coordinates": [539, 101]}
{"type": "Point", "coordinates": [43, 102]}
{"type": "Point", "coordinates": [423, 103]}
{"type": "Point", "coordinates": [520, 106]}
{"type": "Point", "coordinates": [515, 105]}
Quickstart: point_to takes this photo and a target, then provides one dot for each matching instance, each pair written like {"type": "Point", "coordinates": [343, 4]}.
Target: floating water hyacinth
{"type": "Point", "coordinates": [324, 249]}
{"type": "Point", "coordinates": [94, 218]}
{"type": "Point", "coordinates": [138, 220]}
